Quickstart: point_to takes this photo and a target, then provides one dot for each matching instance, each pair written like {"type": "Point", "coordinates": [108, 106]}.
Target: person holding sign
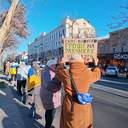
{"type": "Point", "coordinates": [76, 78]}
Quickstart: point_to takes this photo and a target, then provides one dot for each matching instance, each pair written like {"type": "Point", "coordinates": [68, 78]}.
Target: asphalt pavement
{"type": "Point", "coordinates": [114, 83]}
{"type": "Point", "coordinates": [110, 110]}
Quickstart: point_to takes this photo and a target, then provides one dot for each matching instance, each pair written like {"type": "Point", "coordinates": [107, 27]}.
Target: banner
{"type": "Point", "coordinates": [84, 47]}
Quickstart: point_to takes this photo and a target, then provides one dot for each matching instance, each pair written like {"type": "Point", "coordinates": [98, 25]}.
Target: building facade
{"type": "Point", "coordinates": [50, 45]}
{"type": "Point", "coordinates": [114, 50]}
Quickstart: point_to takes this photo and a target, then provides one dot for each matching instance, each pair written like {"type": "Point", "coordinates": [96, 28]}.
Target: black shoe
{"type": "Point", "coordinates": [49, 127]}
{"type": "Point", "coordinates": [32, 110]}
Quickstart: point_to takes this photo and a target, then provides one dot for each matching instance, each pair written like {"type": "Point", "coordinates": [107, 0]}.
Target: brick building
{"type": "Point", "coordinates": [114, 49]}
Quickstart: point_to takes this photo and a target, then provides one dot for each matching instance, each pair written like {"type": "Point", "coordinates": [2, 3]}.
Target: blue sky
{"type": "Point", "coordinates": [45, 15]}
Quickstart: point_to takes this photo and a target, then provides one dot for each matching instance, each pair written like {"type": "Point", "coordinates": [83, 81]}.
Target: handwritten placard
{"type": "Point", "coordinates": [84, 47]}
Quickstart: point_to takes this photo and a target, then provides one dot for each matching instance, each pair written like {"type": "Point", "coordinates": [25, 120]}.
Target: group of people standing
{"type": "Point", "coordinates": [59, 74]}
{"type": "Point", "coordinates": [73, 77]}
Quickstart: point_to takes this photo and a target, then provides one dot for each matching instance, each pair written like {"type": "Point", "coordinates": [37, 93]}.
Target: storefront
{"type": "Point", "coordinates": [117, 59]}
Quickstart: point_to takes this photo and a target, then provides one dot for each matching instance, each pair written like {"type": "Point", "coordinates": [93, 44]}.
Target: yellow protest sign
{"type": "Point", "coordinates": [84, 47]}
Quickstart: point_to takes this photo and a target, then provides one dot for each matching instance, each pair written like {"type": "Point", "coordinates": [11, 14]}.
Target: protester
{"type": "Point", "coordinates": [33, 88]}
{"type": "Point", "coordinates": [22, 75]}
{"type": "Point", "coordinates": [7, 67]}
{"type": "Point", "coordinates": [34, 74]}
{"type": "Point", "coordinates": [4, 66]}
{"type": "Point", "coordinates": [13, 72]}
{"type": "Point", "coordinates": [75, 114]}
{"type": "Point", "coordinates": [50, 99]}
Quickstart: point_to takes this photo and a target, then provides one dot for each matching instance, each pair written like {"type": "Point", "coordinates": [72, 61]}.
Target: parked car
{"type": "Point", "coordinates": [112, 71]}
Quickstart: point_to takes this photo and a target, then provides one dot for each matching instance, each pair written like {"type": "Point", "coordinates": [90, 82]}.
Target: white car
{"type": "Point", "coordinates": [112, 71]}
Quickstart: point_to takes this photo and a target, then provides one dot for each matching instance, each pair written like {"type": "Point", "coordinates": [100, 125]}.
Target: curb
{"type": "Point", "coordinates": [111, 90]}
{"type": "Point", "coordinates": [113, 81]}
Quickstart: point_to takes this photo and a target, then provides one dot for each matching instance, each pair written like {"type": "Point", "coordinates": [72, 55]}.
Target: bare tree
{"type": "Point", "coordinates": [18, 27]}
{"type": "Point", "coordinates": [121, 19]}
{"type": "Point", "coordinates": [5, 27]}
{"type": "Point", "coordinates": [15, 26]}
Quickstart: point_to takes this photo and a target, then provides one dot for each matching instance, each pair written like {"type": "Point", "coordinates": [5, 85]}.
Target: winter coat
{"type": "Point", "coordinates": [50, 99]}
{"type": "Point", "coordinates": [81, 116]}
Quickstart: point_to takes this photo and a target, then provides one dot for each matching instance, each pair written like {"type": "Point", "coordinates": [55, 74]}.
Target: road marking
{"type": "Point", "coordinates": [115, 82]}
{"type": "Point", "coordinates": [2, 93]}
{"type": "Point", "coordinates": [110, 90]}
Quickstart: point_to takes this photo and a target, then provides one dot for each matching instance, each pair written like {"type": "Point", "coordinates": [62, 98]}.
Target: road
{"type": "Point", "coordinates": [110, 111]}
{"type": "Point", "coordinates": [113, 83]}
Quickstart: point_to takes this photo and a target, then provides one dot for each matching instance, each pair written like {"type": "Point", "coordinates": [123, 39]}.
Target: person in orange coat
{"type": "Point", "coordinates": [81, 116]}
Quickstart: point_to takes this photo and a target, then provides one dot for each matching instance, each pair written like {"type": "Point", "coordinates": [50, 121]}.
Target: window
{"type": "Point", "coordinates": [59, 34]}
{"type": "Point", "coordinates": [114, 50]}
{"type": "Point", "coordinates": [56, 35]}
{"type": "Point", "coordinates": [63, 32]}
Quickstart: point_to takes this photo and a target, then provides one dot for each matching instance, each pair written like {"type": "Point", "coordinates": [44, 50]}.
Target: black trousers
{"type": "Point", "coordinates": [13, 77]}
{"type": "Point", "coordinates": [21, 84]}
{"type": "Point", "coordinates": [49, 117]}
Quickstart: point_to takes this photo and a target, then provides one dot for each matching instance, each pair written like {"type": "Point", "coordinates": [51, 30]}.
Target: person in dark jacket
{"type": "Point", "coordinates": [51, 99]}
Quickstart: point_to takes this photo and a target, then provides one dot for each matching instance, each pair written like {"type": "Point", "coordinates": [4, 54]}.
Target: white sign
{"type": "Point", "coordinates": [120, 56]}
{"type": "Point", "coordinates": [86, 47]}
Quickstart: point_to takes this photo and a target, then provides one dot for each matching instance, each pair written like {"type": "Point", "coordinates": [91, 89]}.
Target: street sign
{"type": "Point", "coordinates": [85, 47]}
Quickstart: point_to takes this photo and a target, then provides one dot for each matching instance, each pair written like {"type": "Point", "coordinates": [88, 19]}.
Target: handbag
{"type": "Point", "coordinates": [80, 98]}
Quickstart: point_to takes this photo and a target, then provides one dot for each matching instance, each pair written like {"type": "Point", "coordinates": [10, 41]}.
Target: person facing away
{"type": "Point", "coordinates": [73, 114]}
{"type": "Point", "coordinates": [13, 72]}
{"type": "Point", "coordinates": [34, 82]}
{"type": "Point", "coordinates": [51, 99]}
{"type": "Point", "coordinates": [7, 68]}
{"type": "Point", "coordinates": [22, 75]}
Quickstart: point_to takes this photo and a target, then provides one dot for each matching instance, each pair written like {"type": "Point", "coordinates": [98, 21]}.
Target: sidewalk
{"type": "Point", "coordinates": [14, 114]}
{"type": "Point", "coordinates": [9, 113]}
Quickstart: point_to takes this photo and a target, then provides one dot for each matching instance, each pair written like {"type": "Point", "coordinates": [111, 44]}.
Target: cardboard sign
{"type": "Point", "coordinates": [84, 47]}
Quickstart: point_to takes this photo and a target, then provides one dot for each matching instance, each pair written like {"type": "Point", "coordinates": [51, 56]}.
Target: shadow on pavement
{"type": "Point", "coordinates": [25, 113]}
{"type": "Point", "coordinates": [15, 114]}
